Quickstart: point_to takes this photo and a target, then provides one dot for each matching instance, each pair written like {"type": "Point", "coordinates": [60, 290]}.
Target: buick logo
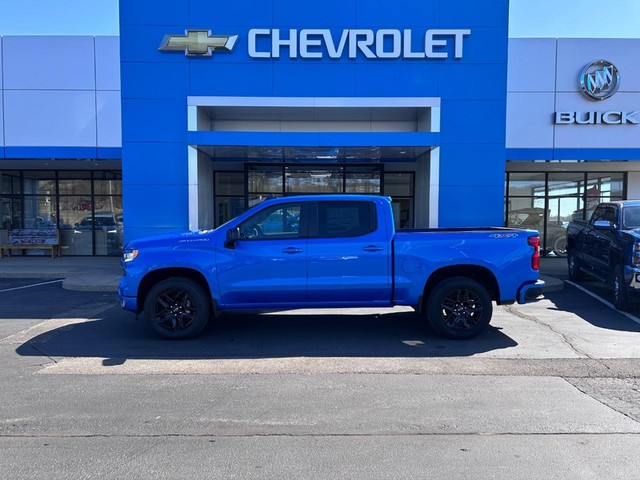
{"type": "Point", "coordinates": [600, 80]}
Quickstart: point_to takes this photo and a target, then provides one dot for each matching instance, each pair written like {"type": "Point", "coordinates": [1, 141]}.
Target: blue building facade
{"type": "Point", "coordinates": [224, 103]}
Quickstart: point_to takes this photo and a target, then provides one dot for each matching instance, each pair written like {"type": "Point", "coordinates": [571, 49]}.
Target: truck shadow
{"type": "Point", "coordinates": [250, 335]}
{"type": "Point", "coordinates": [589, 309]}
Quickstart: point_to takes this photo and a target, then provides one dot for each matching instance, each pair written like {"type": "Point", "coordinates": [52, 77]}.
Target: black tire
{"type": "Point", "coordinates": [459, 308]}
{"type": "Point", "coordinates": [177, 308]}
{"type": "Point", "coordinates": [573, 265]}
{"type": "Point", "coordinates": [560, 246]}
{"type": "Point", "coordinates": [619, 287]}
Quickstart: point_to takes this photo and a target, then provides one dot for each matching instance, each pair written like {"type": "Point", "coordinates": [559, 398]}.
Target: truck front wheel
{"type": "Point", "coordinates": [459, 308]}
{"type": "Point", "coordinates": [573, 263]}
{"type": "Point", "coordinates": [620, 296]}
{"type": "Point", "coordinates": [177, 308]}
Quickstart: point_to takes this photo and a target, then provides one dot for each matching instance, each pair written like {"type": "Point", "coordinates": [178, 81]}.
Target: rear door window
{"type": "Point", "coordinates": [345, 219]}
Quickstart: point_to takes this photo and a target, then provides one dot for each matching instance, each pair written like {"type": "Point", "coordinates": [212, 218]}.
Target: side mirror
{"type": "Point", "coordinates": [602, 225]}
{"type": "Point", "coordinates": [233, 235]}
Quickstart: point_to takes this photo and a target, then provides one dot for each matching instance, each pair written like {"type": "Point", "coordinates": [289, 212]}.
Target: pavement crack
{"type": "Point", "coordinates": [602, 401]}
{"type": "Point", "coordinates": [565, 339]}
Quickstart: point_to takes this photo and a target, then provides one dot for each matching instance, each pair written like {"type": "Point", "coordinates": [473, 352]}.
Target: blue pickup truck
{"type": "Point", "coordinates": [607, 248]}
{"type": "Point", "coordinates": [328, 251]}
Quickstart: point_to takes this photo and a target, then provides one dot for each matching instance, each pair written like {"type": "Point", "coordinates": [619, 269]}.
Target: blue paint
{"type": "Point", "coordinates": [594, 154]}
{"type": "Point", "coordinates": [100, 153]}
{"type": "Point", "coordinates": [155, 86]}
{"type": "Point", "coordinates": [322, 261]}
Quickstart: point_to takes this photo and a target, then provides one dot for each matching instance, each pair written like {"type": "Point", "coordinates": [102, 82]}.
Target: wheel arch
{"type": "Point", "coordinates": [480, 274]}
{"type": "Point", "coordinates": [155, 276]}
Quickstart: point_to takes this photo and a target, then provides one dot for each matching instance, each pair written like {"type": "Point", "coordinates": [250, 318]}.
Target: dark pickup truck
{"type": "Point", "coordinates": [607, 248]}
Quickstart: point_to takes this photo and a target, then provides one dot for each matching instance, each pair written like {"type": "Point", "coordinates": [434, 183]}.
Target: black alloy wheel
{"type": "Point", "coordinates": [459, 308]}
{"type": "Point", "coordinates": [177, 308]}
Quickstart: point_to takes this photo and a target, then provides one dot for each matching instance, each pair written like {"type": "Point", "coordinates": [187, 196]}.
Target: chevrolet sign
{"type": "Point", "coordinates": [384, 43]}
{"type": "Point", "coordinates": [314, 43]}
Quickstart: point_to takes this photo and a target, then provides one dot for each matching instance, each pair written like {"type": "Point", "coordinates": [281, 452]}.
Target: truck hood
{"type": "Point", "coordinates": [171, 240]}
{"type": "Point", "coordinates": [634, 233]}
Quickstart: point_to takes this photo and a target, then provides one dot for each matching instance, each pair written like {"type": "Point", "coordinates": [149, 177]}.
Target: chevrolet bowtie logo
{"type": "Point", "coordinates": [198, 43]}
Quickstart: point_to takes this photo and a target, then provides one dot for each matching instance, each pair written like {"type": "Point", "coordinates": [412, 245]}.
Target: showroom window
{"type": "Point", "coordinates": [85, 206]}
{"type": "Point", "coordinates": [400, 187]}
{"type": "Point", "coordinates": [278, 180]}
{"type": "Point", "coordinates": [548, 201]}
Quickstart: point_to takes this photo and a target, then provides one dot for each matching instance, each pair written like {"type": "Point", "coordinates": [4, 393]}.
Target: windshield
{"type": "Point", "coordinates": [631, 217]}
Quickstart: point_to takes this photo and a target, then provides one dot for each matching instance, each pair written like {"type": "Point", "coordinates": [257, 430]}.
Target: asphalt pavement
{"type": "Point", "coordinates": [550, 390]}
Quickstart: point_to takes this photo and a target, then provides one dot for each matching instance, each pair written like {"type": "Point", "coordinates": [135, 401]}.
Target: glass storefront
{"type": "Point", "coordinates": [86, 206]}
{"type": "Point", "coordinates": [237, 191]}
{"type": "Point", "coordinates": [548, 201]}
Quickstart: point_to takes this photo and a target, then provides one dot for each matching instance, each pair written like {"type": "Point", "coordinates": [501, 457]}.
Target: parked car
{"type": "Point", "coordinates": [107, 225]}
{"type": "Point", "coordinates": [607, 248]}
{"type": "Point", "coordinates": [336, 251]}
{"type": "Point", "coordinates": [556, 233]}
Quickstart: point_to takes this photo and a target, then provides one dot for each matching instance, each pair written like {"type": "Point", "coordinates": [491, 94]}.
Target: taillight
{"type": "Point", "coordinates": [535, 258]}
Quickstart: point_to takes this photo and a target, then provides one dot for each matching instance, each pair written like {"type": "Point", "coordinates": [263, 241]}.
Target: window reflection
{"type": "Point", "coordinates": [547, 202]}
{"type": "Point", "coordinates": [85, 206]}
{"type": "Point", "coordinates": [275, 180]}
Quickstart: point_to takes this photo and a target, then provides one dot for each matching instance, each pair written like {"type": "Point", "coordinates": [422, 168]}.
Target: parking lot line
{"type": "Point", "coordinates": [30, 286]}
{"type": "Point", "coordinates": [608, 304]}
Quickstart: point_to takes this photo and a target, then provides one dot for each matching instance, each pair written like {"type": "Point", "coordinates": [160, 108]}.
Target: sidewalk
{"type": "Point", "coordinates": [103, 273]}
{"type": "Point", "coordinates": [96, 274]}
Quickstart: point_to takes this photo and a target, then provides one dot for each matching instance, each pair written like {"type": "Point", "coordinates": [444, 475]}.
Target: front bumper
{"type": "Point", "coordinates": [127, 303]}
{"type": "Point", "coordinates": [632, 277]}
{"type": "Point", "coordinates": [530, 292]}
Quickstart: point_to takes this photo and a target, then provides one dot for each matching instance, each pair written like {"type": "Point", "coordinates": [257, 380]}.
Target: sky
{"type": "Point", "coordinates": [528, 18]}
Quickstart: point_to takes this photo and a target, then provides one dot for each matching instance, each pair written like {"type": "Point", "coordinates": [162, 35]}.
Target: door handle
{"type": "Point", "coordinates": [292, 250]}
{"type": "Point", "coordinates": [372, 248]}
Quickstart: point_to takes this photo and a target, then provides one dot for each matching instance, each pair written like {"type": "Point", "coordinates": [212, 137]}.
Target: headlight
{"type": "Point", "coordinates": [129, 255]}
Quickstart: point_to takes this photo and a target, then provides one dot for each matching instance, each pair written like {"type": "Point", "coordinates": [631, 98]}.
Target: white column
{"type": "Point", "coordinates": [193, 188]}
{"type": "Point", "coordinates": [434, 187]}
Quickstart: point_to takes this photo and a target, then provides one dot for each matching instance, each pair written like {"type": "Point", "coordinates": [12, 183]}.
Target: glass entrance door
{"type": "Point", "coordinates": [236, 191]}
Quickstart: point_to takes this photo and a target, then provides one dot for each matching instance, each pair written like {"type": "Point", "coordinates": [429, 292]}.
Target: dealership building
{"type": "Point", "coordinates": [198, 111]}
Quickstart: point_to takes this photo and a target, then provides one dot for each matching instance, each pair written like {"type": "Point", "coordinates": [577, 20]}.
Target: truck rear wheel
{"type": "Point", "coordinates": [177, 308]}
{"type": "Point", "coordinates": [459, 308]}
